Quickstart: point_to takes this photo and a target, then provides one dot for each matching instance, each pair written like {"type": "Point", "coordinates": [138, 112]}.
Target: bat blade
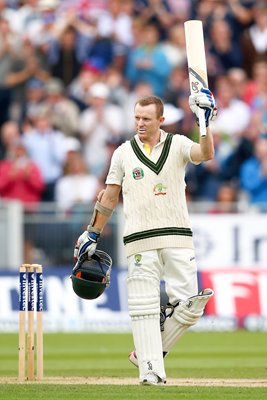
{"type": "Point", "coordinates": [196, 59]}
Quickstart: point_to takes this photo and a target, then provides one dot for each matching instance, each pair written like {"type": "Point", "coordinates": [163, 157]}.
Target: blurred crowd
{"type": "Point", "coordinates": [72, 70]}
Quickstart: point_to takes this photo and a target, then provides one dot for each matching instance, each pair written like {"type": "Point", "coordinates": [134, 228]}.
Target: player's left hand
{"type": "Point", "coordinates": [203, 99]}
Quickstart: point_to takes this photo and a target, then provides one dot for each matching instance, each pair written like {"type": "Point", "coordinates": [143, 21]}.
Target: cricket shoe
{"type": "Point", "coordinates": [133, 358]}
{"type": "Point", "coordinates": [151, 379]}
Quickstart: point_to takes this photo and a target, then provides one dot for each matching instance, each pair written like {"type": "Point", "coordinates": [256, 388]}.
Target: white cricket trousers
{"type": "Point", "coordinates": [176, 266]}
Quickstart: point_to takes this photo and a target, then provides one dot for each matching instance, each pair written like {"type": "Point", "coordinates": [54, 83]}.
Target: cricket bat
{"type": "Point", "coordinates": [196, 60]}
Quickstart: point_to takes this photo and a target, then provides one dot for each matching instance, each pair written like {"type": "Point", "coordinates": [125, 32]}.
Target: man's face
{"type": "Point", "coordinates": [147, 123]}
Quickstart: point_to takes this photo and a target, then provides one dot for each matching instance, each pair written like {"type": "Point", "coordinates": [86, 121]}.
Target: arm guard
{"type": "Point", "coordinates": [107, 212]}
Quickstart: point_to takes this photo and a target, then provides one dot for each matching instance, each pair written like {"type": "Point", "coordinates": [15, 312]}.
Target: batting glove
{"type": "Point", "coordinates": [86, 244]}
{"type": "Point", "coordinates": [203, 99]}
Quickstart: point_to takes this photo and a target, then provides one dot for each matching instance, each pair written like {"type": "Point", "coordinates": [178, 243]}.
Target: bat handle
{"type": "Point", "coordinates": [202, 122]}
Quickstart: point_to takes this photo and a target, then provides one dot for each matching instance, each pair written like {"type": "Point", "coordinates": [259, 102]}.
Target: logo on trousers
{"type": "Point", "coordinates": [149, 365]}
{"type": "Point", "coordinates": [137, 258]}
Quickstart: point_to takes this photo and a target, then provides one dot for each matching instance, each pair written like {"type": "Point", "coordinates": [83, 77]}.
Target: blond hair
{"type": "Point", "coordinates": [147, 100]}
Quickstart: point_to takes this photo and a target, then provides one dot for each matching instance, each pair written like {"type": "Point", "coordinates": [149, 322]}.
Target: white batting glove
{"type": "Point", "coordinates": [86, 244]}
{"type": "Point", "coordinates": [203, 99]}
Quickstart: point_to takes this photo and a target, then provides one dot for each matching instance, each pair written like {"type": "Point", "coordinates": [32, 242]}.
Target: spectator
{"type": "Point", "coordinates": [9, 14]}
{"type": "Point", "coordinates": [8, 47]}
{"type": "Point", "coordinates": [254, 38]}
{"type": "Point", "coordinates": [101, 52]}
{"type": "Point", "coordinates": [64, 112]}
{"type": "Point", "coordinates": [237, 13]}
{"type": "Point", "coordinates": [79, 88]}
{"type": "Point", "coordinates": [38, 36]}
{"type": "Point", "coordinates": [118, 91]}
{"type": "Point", "coordinates": [243, 150]}
{"type": "Point", "coordinates": [137, 29]}
{"type": "Point", "coordinates": [158, 13]}
{"type": "Point", "coordinates": [98, 123]}
{"type": "Point", "coordinates": [45, 146]}
{"type": "Point", "coordinates": [24, 67]}
{"type": "Point", "coordinates": [226, 200]}
{"type": "Point", "coordinates": [64, 58]}
{"type": "Point", "coordinates": [173, 116]}
{"type": "Point", "coordinates": [24, 17]}
{"type": "Point", "coordinates": [77, 186]}
{"type": "Point", "coordinates": [259, 90]}
{"type": "Point", "coordinates": [75, 193]}
{"type": "Point", "coordinates": [10, 133]}
{"type": "Point", "coordinates": [84, 9]}
{"type": "Point", "coordinates": [147, 62]}
{"type": "Point", "coordinates": [181, 10]}
{"type": "Point", "coordinates": [21, 180]}
{"type": "Point", "coordinates": [229, 129]}
{"type": "Point", "coordinates": [34, 96]}
{"type": "Point", "coordinates": [204, 181]}
{"type": "Point", "coordinates": [40, 25]}
{"type": "Point", "coordinates": [253, 174]}
{"type": "Point", "coordinates": [234, 115]}
{"type": "Point", "coordinates": [174, 46]}
{"type": "Point", "coordinates": [177, 85]}
{"type": "Point", "coordinates": [116, 24]}
{"type": "Point", "coordinates": [72, 146]}
{"type": "Point", "coordinates": [188, 122]}
{"type": "Point", "coordinates": [239, 82]}
{"type": "Point", "coordinates": [258, 84]}
{"type": "Point", "coordinates": [223, 48]}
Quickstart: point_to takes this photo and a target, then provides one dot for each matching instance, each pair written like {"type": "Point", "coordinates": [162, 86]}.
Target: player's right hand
{"type": "Point", "coordinates": [86, 244]}
{"type": "Point", "coordinates": [203, 99]}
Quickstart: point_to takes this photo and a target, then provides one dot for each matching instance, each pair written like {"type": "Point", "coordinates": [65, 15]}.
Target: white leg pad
{"type": "Point", "coordinates": [173, 331]}
{"type": "Point", "coordinates": [144, 309]}
{"type": "Point", "coordinates": [186, 314]}
{"type": "Point", "coordinates": [143, 296]}
{"type": "Point", "coordinates": [148, 345]}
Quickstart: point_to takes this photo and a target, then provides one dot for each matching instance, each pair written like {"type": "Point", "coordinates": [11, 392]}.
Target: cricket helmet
{"type": "Point", "coordinates": [91, 275]}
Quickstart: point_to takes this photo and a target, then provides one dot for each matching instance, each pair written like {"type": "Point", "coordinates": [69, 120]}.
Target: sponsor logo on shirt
{"type": "Point", "coordinates": [138, 173]}
{"type": "Point", "coordinates": [160, 189]}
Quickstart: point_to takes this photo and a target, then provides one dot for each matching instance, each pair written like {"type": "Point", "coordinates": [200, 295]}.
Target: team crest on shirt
{"type": "Point", "coordinates": [138, 173]}
{"type": "Point", "coordinates": [159, 189]}
{"type": "Point", "coordinates": [137, 258]}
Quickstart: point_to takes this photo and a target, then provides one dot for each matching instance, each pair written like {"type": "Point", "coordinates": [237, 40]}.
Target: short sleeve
{"type": "Point", "coordinates": [116, 173]}
{"type": "Point", "coordinates": [186, 145]}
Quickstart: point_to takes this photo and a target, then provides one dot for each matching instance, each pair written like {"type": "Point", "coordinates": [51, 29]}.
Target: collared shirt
{"type": "Point", "coordinates": [155, 152]}
{"type": "Point", "coordinates": [153, 190]}
{"type": "Point", "coordinates": [46, 149]}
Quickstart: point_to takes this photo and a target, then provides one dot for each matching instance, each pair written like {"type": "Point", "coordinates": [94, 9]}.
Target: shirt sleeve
{"type": "Point", "coordinates": [186, 145]}
{"type": "Point", "coordinates": [116, 173]}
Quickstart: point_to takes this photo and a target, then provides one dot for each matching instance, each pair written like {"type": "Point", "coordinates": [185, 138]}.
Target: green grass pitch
{"type": "Point", "coordinates": [224, 356]}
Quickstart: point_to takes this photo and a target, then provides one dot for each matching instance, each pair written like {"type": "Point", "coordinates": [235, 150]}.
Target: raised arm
{"type": "Point", "coordinates": [204, 150]}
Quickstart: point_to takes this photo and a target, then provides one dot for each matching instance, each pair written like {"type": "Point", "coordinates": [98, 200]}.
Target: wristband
{"type": "Point", "coordinates": [91, 228]}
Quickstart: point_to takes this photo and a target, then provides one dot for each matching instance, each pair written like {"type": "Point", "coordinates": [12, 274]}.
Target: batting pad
{"type": "Point", "coordinates": [148, 346]}
{"type": "Point", "coordinates": [143, 296]}
{"type": "Point", "coordinates": [186, 314]}
{"type": "Point", "coordinates": [144, 309]}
